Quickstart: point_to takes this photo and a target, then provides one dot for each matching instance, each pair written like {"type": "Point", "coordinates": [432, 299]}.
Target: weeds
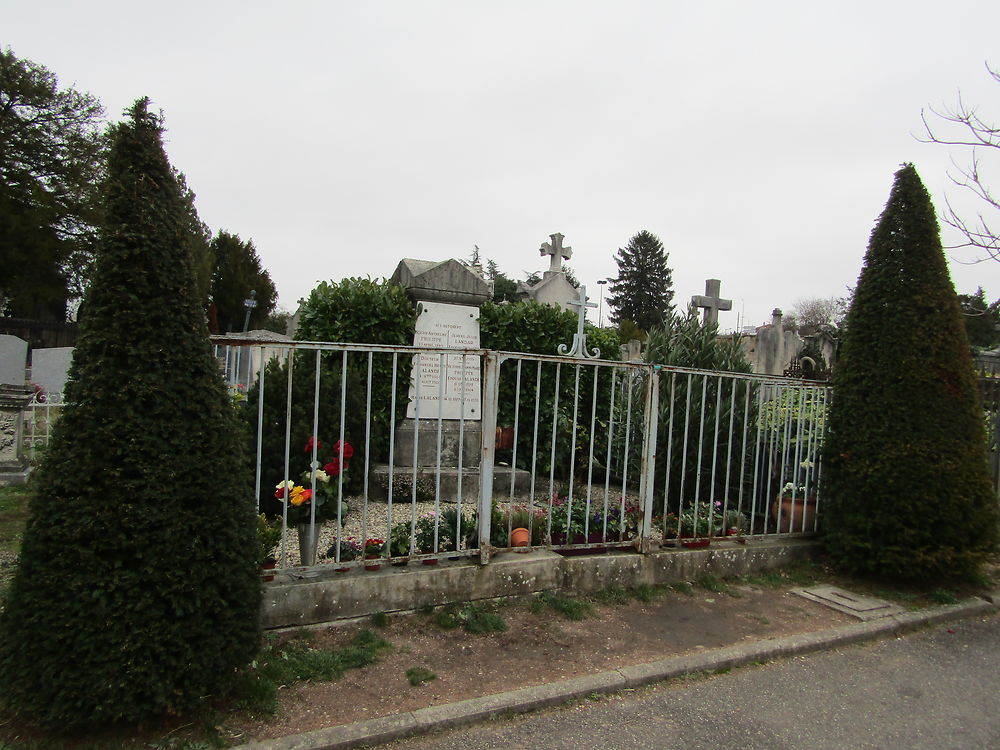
{"type": "Point", "coordinates": [380, 620]}
{"type": "Point", "coordinates": [943, 596]}
{"type": "Point", "coordinates": [571, 609]}
{"type": "Point", "coordinates": [419, 675]}
{"type": "Point", "coordinates": [475, 617]}
{"type": "Point", "coordinates": [682, 587]}
{"type": "Point", "coordinates": [279, 665]}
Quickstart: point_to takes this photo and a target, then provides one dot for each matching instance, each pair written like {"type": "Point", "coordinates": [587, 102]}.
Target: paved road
{"type": "Point", "coordinates": [933, 690]}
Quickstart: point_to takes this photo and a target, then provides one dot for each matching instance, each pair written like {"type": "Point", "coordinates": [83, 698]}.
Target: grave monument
{"type": "Point", "coordinates": [15, 395]}
{"type": "Point", "coordinates": [554, 288]}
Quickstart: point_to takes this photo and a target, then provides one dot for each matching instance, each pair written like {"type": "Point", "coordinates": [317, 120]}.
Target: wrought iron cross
{"type": "Point", "coordinates": [579, 348]}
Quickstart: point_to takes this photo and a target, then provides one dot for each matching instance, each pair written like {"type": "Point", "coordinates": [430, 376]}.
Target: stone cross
{"type": "Point", "coordinates": [556, 252]}
{"type": "Point", "coordinates": [579, 348]}
{"type": "Point", "coordinates": [711, 302]}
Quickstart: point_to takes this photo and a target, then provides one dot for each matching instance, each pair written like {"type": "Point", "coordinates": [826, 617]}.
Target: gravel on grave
{"type": "Point", "coordinates": [376, 525]}
{"type": "Point", "coordinates": [356, 527]}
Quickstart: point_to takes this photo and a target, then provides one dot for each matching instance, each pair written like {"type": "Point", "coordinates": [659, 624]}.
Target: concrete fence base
{"type": "Point", "coordinates": [331, 596]}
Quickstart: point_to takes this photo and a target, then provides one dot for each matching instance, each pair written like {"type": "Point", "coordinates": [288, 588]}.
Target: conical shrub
{"type": "Point", "coordinates": [906, 484]}
{"type": "Point", "coordinates": [137, 592]}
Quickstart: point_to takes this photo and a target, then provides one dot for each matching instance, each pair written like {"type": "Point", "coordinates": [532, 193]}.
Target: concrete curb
{"type": "Point", "coordinates": [388, 728]}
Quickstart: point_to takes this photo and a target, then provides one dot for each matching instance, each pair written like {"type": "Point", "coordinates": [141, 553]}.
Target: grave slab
{"type": "Point", "coordinates": [862, 607]}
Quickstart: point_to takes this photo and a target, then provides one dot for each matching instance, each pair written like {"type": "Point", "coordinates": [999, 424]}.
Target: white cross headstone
{"type": "Point", "coordinates": [579, 348]}
{"type": "Point", "coordinates": [711, 302]}
{"type": "Point", "coordinates": [556, 252]}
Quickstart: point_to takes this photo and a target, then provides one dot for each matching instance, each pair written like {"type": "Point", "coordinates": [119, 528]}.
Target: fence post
{"type": "Point", "coordinates": [491, 398]}
{"type": "Point", "coordinates": [648, 467]}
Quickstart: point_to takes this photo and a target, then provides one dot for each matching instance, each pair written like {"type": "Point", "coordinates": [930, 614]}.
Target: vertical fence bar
{"type": "Point", "coordinates": [648, 466]}
{"type": "Point", "coordinates": [491, 398]}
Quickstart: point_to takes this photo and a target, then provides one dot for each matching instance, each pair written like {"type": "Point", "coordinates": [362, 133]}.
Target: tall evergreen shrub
{"type": "Point", "coordinates": [137, 592]}
{"type": "Point", "coordinates": [906, 484]}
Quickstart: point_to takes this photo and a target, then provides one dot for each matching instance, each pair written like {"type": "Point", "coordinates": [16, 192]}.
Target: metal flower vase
{"type": "Point", "coordinates": [308, 542]}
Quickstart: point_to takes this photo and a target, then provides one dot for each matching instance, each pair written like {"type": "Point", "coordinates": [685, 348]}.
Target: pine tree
{"type": "Point", "coordinates": [906, 483]}
{"type": "Point", "coordinates": [137, 592]}
{"type": "Point", "coordinates": [642, 292]}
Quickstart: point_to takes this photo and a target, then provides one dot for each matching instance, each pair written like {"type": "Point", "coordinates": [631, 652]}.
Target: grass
{"type": "Point", "coordinates": [419, 675]}
{"type": "Point", "coordinates": [474, 617]}
{"type": "Point", "coordinates": [279, 665]}
{"type": "Point", "coordinates": [571, 609]}
{"type": "Point", "coordinates": [616, 595]}
{"type": "Point", "coordinates": [711, 582]}
{"type": "Point", "coordinates": [380, 620]}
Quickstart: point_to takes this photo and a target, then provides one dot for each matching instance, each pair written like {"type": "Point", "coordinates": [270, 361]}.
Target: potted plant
{"type": "Point", "coordinates": [373, 551]}
{"type": "Point", "coordinates": [425, 536]}
{"type": "Point", "coordinates": [695, 526]}
{"type": "Point", "coordinates": [794, 509]}
{"type": "Point", "coordinates": [268, 537]}
{"type": "Point", "coordinates": [348, 549]}
{"type": "Point", "coordinates": [399, 541]}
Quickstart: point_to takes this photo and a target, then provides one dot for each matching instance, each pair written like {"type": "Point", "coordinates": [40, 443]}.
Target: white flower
{"type": "Point", "coordinates": [286, 485]}
{"type": "Point", "coordinates": [321, 476]}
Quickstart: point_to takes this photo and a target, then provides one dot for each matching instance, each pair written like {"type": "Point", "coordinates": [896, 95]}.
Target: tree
{"type": "Point", "coordinates": [977, 134]}
{"type": "Point", "coordinates": [814, 312]}
{"type": "Point", "coordinates": [238, 271]}
{"type": "Point", "coordinates": [51, 158]}
{"type": "Point", "coordinates": [906, 485]}
{"type": "Point", "coordinates": [982, 319]}
{"type": "Point", "coordinates": [642, 292]}
{"type": "Point", "coordinates": [137, 592]}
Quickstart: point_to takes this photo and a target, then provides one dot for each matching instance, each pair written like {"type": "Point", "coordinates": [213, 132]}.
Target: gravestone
{"type": "Point", "coordinates": [711, 302]}
{"type": "Point", "coordinates": [554, 288]}
{"type": "Point", "coordinates": [50, 368]}
{"type": "Point", "coordinates": [13, 359]}
{"type": "Point", "coordinates": [579, 347]}
{"type": "Point", "coordinates": [450, 327]}
{"type": "Point", "coordinates": [448, 294]}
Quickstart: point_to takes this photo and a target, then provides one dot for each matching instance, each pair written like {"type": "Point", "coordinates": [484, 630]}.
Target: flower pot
{"type": "Point", "coordinates": [694, 543]}
{"type": "Point", "coordinates": [308, 542]}
{"type": "Point", "coordinates": [798, 514]}
{"type": "Point", "coordinates": [270, 565]}
{"type": "Point", "coordinates": [519, 537]}
{"type": "Point", "coordinates": [430, 561]}
{"type": "Point", "coordinates": [372, 565]}
{"type": "Point", "coordinates": [341, 570]}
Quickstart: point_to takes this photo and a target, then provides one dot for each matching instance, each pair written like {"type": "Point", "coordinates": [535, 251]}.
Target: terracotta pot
{"type": "Point", "coordinates": [268, 566]}
{"type": "Point", "coordinates": [519, 537]}
{"type": "Point", "coordinates": [430, 561]}
{"type": "Point", "coordinates": [372, 566]}
{"type": "Point", "coordinates": [794, 513]}
{"type": "Point", "coordinates": [694, 543]}
{"type": "Point", "coordinates": [341, 570]}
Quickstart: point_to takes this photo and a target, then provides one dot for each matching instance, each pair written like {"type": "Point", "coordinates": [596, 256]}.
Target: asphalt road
{"type": "Point", "coordinates": [937, 689]}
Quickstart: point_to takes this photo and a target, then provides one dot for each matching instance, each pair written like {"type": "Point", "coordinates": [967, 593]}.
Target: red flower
{"type": "Point", "coordinates": [333, 468]}
{"type": "Point", "coordinates": [348, 450]}
{"type": "Point", "coordinates": [313, 441]}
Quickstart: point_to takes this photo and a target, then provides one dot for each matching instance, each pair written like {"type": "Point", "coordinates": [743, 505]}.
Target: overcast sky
{"type": "Point", "coordinates": [757, 140]}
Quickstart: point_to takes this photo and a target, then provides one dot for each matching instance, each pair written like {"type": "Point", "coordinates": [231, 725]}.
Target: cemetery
{"type": "Point", "coordinates": [193, 479]}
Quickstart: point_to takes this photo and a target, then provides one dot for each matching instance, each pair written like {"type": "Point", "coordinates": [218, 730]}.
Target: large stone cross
{"type": "Point", "coordinates": [556, 252]}
{"type": "Point", "coordinates": [711, 302]}
{"type": "Point", "coordinates": [579, 348]}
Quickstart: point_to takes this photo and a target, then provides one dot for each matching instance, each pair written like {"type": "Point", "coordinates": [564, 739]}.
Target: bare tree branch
{"type": "Point", "coordinates": [977, 134]}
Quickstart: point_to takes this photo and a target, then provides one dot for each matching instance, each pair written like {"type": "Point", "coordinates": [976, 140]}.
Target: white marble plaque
{"type": "Point", "coordinates": [446, 327]}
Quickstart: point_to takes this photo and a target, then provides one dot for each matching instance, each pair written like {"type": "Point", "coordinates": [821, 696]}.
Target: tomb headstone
{"type": "Point", "coordinates": [50, 368]}
{"type": "Point", "coordinates": [13, 359]}
{"type": "Point", "coordinates": [14, 399]}
{"type": "Point", "coordinates": [450, 327]}
{"type": "Point", "coordinates": [553, 288]}
{"type": "Point", "coordinates": [711, 302]}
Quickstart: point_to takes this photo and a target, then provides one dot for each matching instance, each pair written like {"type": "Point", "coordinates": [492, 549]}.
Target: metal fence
{"type": "Point", "coordinates": [583, 454]}
{"type": "Point", "coordinates": [38, 419]}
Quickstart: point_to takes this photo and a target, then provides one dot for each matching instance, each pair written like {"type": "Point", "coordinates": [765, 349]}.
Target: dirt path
{"type": "Point", "coordinates": [537, 648]}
